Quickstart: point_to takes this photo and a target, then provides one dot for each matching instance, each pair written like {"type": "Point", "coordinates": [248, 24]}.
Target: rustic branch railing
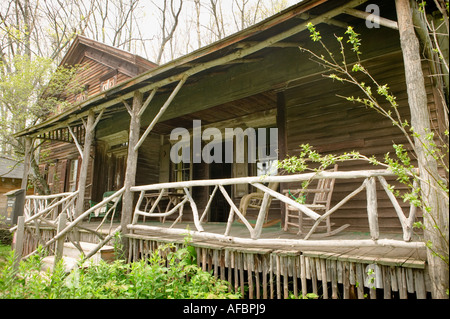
{"type": "Point", "coordinates": [370, 177]}
{"type": "Point", "coordinates": [45, 209]}
{"type": "Point", "coordinates": [37, 207]}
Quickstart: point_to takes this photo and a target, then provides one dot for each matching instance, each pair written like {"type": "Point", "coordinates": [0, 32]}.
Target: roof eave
{"type": "Point", "coordinates": [141, 79]}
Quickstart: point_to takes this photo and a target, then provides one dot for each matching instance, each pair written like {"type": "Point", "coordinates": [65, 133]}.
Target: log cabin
{"type": "Point", "coordinates": [99, 67]}
{"type": "Point", "coordinates": [257, 79]}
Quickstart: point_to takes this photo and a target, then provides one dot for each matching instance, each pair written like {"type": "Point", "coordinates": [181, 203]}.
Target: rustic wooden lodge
{"type": "Point", "coordinates": [109, 154]}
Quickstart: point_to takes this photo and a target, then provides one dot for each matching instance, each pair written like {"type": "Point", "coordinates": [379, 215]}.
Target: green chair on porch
{"type": "Point", "coordinates": [101, 212]}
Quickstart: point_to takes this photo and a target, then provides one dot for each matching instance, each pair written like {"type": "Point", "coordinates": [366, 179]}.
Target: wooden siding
{"type": "Point", "coordinates": [91, 74]}
{"type": "Point", "coordinates": [55, 162]}
{"type": "Point", "coordinates": [7, 185]}
{"type": "Point", "coordinates": [148, 161]}
{"type": "Point", "coordinates": [332, 125]}
{"type": "Point", "coordinates": [105, 164]}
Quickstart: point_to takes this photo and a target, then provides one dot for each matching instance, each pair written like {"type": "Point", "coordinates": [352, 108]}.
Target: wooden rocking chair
{"type": "Point", "coordinates": [254, 200]}
{"type": "Point", "coordinates": [320, 204]}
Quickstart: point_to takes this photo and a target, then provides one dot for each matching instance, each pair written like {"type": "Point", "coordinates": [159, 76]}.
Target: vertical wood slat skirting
{"type": "Point", "coordinates": [263, 273]}
{"type": "Point", "coordinates": [259, 273]}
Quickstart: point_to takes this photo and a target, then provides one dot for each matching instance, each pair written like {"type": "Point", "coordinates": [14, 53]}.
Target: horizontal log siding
{"type": "Point", "coordinates": [56, 160]}
{"type": "Point", "coordinates": [148, 161]}
{"type": "Point", "coordinates": [90, 73]}
{"type": "Point", "coordinates": [332, 125]}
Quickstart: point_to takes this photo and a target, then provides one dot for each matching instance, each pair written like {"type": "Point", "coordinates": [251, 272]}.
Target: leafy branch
{"type": "Point", "coordinates": [436, 147]}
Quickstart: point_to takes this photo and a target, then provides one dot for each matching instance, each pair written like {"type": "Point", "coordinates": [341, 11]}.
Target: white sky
{"type": "Point", "coordinates": [186, 36]}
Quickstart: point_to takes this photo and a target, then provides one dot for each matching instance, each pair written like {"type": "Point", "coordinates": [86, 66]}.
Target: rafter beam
{"type": "Point", "coordinates": [364, 15]}
{"type": "Point", "coordinates": [330, 21]}
{"type": "Point", "coordinates": [161, 112]}
{"type": "Point", "coordinates": [238, 54]}
{"type": "Point", "coordinates": [80, 149]}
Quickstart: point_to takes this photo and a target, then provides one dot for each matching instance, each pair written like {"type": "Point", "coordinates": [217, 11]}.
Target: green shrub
{"type": "Point", "coordinates": [5, 236]}
{"type": "Point", "coordinates": [166, 274]}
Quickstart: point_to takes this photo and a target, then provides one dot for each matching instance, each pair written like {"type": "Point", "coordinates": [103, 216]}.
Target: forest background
{"type": "Point", "coordinates": [36, 34]}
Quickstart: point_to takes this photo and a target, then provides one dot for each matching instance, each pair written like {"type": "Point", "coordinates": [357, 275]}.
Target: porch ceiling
{"type": "Point", "coordinates": [227, 111]}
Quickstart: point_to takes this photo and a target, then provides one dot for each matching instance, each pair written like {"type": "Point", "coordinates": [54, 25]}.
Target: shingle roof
{"type": "Point", "coordinates": [10, 168]}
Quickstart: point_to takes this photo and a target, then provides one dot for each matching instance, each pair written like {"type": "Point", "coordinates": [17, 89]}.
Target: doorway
{"type": "Point", "coordinates": [219, 207]}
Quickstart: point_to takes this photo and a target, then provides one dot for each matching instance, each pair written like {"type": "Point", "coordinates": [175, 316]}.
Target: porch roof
{"type": "Point", "coordinates": [215, 57]}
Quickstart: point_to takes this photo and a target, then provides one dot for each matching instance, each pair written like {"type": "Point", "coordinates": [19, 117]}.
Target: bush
{"type": "Point", "coordinates": [166, 274]}
{"type": "Point", "coordinates": [5, 236]}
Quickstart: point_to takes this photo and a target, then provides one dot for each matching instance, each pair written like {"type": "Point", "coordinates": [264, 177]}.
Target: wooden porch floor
{"type": "Point", "coordinates": [389, 256]}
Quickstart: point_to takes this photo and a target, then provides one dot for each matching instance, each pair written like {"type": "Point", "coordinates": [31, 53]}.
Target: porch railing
{"type": "Point", "coordinates": [58, 212]}
{"type": "Point", "coordinates": [370, 178]}
{"type": "Point", "coordinates": [45, 209]}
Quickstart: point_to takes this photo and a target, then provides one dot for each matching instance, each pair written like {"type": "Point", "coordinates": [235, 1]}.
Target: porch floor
{"type": "Point", "coordinates": [389, 256]}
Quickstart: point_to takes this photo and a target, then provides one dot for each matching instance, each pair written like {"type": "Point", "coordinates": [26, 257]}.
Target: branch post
{"type": "Point", "coordinates": [89, 137]}
{"type": "Point", "coordinates": [26, 162]}
{"type": "Point", "coordinates": [130, 174]}
{"type": "Point", "coordinates": [60, 242]}
{"type": "Point", "coordinates": [18, 243]}
{"type": "Point", "coordinates": [372, 208]}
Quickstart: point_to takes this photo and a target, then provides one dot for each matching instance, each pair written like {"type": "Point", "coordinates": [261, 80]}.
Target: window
{"type": "Point", "coordinates": [73, 174]}
{"type": "Point", "coordinates": [107, 84]}
{"type": "Point", "coordinates": [182, 169]}
{"type": "Point", "coordinates": [182, 172]}
{"type": "Point", "coordinates": [266, 163]}
{"type": "Point", "coordinates": [82, 96]}
{"type": "Point", "coordinates": [108, 80]}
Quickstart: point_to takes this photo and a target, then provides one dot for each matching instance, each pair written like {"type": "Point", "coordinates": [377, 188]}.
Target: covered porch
{"type": "Point", "coordinates": [262, 262]}
{"type": "Point", "coordinates": [283, 271]}
{"type": "Point", "coordinates": [257, 79]}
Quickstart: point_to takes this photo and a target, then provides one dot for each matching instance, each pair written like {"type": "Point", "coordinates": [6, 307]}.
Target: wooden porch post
{"type": "Point", "coordinates": [282, 141]}
{"type": "Point", "coordinates": [437, 218]}
{"type": "Point", "coordinates": [26, 163]}
{"type": "Point", "coordinates": [18, 245]}
{"type": "Point", "coordinates": [24, 184]}
{"type": "Point", "coordinates": [130, 173]}
{"type": "Point", "coordinates": [89, 136]}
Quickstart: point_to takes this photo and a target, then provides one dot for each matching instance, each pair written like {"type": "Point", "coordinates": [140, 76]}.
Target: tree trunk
{"type": "Point", "coordinates": [26, 163]}
{"type": "Point", "coordinates": [89, 136]}
{"type": "Point", "coordinates": [436, 220]}
{"type": "Point", "coordinates": [130, 174]}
